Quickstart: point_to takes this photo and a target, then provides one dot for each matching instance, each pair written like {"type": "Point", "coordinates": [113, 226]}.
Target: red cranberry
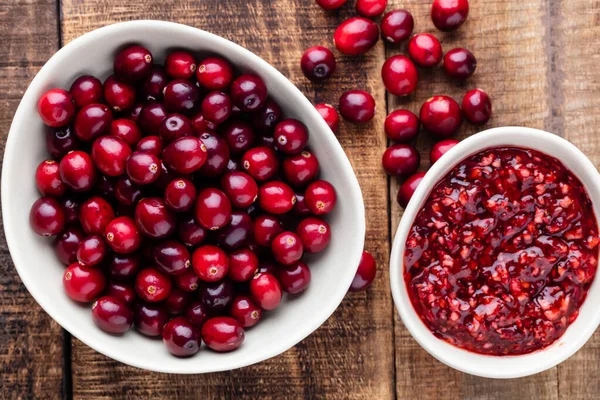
{"type": "Point", "coordinates": [357, 106]}
{"type": "Point", "coordinates": [151, 89]}
{"type": "Point", "coordinates": [175, 126]}
{"type": "Point", "coordinates": [196, 313]}
{"type": "Point", "coordinates": [399, 75]}
{"type": "Point", "coordinates": [134, 113]}
{"type": "Point", "coordinates": [110, 154]}
{"type": "Point", "coordinates": [112, 315]}
{"type": "Point", "coordinates": [201, 124]}
{"type": "Point", "coordinates": [47, 217]}
{"type": "Point", "coordinates": [185, 155]}
{"type": "Point", "coordinates": [126, 192]}
{"type": "Point", "coordinates": [477, 107]}
{"type": "Point", "coordinates": [245, 311]}
{"type": "Point", "coordinates": [300, 208]}
{"type": "Point", "coordinates": [267, 117]}
{"type": "Point", "coordinates": [47, 179]}
{"type": "Point", "coordinates": [66, 244]}
{"type": "Point", "coordinates": [181, 96]}
{"type": "Point", "coordinates": [276, 197]}
{"type": "Point", "coordinates": [301, 169]}
{"type": "Point", "coordinates": [210, 263]}
{"type": "Point", "coordinates": [213, 209]}
{"type": "Point", "coordinates": [460, 63]}
{"type": "Point", "coordinates": [397, 26]}
{"type": "Point", "coordinates": [122, 291]}
{"type": "Point", "coordinates": [120, 96]}
{"type": "Point", "coordinates": [180, 195]}
{"type": "Point", "coordinates": [91, 251]}
{"type": "Point", "coordinates": [266, 228]}
{"type": "Point", "coordinates": [151, 117]}
{"type": "Point", "coordinates": [237, 233]}
{"type": "Point", "coordinates": [181, 338]}
{"type": "Point", "coordinates": [448, 15]}
{"type": "Point", "coordinates": [365, 274]}
{"type": "Point", "coordinates": [239, 136]}
{"type": "Point", "coordinates": [56, 108]}
{"type": "Point", "coordinates": [171, 257]}
{"type": "Point", "coordinates": [287, 248]}
{"type": "Point", "coordinates": [216, 296]}
{"type": "Point", "coordinates": [150, 144]}
{"type": "Point", "coordinates": [401, 160]}
{"type": "Point", "coordinates": [268, 266]}
{"type": "Point", "coordinates": [86, 90]}
{"type": "Point", "coordinates": [243, 264]}
{"type": "Point", "coordinates": [331, 4]}
{"type": "Point", "coordinates": [320, 197]}
{"type": "Point", "coordinates": [425, 50]}
{"type": "Point", "coordinates": [248, 92]}
{"type": "Point", "coordinates": [77, 171]}
{"type": "Point", "coordinates": [216, 107]}
{"type": "Point", "coordinates": [82, 283]}
{"type": "Point", "coordinates": [60, 141]}
{"type": "Point", "coordinates": [126, 130]}
{"type": "Point", "coordinates": [123, 266]}
{"type": "Point", "coordinates": [330, 116]}
{"type": "Point", "coordinates": [151, 285]}
{"type": "Point", "coordinates": [260, 163]}
{"type": "Point", "coordinates": [177, 301]}
{"type": "Point", "coordinates": [150, 319]}
{"type": "Point", "coordinates": [154, 219]}
{"type": "Point", "coordinates": [214, 73]}
{"type": "Point", "coordinates": [356, 36]}
{"type": "Point", "coordinates": [143, 168]}
{"type": "Point", "coordinates": [317, 63]}
{"type": "Point", "coordinates": [133, 63]}
{"type": "Point", "coordinates": [92, 121]}
{"type": "Point", "coordinates": [291, 136]}
{"type": "Point", "coordinates": [294, 278]}
{"type": "Point", "coordinates": [241, 189]}
{"type": "Point", "coordinates": [402, 126]}
{"type": "Point", "coordinates": [190, 232]}
{"type": "Point", "coordinates": [441, 115]}
{"type": "Point", "coordinates": [265, 290]}
{"type": "Point", "coordinates": [222, 334]}
{"type": "Point", "coordinates": [70, 206]}
{"type": "Point", "coordinates": [408, 187]}
{"type": "Point", "coordinates": [180, 65]}
{"type": "Point", "coordinates": [314, 233]}
{"type": "Point", "coordinates": [122, 235]}
{"type": "Point", "coordinates": [95, 214]}
{"type": "Point", "coordinates": [187, 280]}
{"type": "Point", "coordinates": [440, 148]}
{"type": "Point", "coordinates": [370, 8]}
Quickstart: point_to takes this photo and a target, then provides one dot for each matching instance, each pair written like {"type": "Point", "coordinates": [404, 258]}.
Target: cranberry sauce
{"type": "Point", "coordinates": [503, 252]}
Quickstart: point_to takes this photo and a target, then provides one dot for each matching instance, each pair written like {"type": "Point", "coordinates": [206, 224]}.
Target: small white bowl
{"type": "Point", "coordinates": [589, 314]}
{"type": "Point", "coordinates": [41, 272]}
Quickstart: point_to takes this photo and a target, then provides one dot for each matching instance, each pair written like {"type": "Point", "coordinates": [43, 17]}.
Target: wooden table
{"type": "Point", "coordinates": [538, 59]}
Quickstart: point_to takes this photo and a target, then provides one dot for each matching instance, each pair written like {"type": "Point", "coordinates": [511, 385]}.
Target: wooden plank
{"type": "Point", "coordinates": [351, 356]}
{"type": "Point", "coordinates": [31, 343]}
{"type": "Point", "coordinates": [509, 40]}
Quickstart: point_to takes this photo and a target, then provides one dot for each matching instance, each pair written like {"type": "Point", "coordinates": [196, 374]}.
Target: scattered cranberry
{"type": "Point", "coordinates": [181, 338]}
{"type": "Point", "coordinates": [222, 334]}
{"type": "Point", "coordinates": [126, 130]}
{"type": "Point", "coordinates": [287, 248]}
{"type": "Point", "coordinates": [214, 73]}
{"type": "Point", "coordinates": [86, 90]}
{"type": "Point", "coordinates": [477, 107]}
{"type": "Point", "coordinates": [397, 26]}
{"type": "Point", "coordinates": [357, 106]}
{"type": "Point", "coordinates": [151, 285]}
{"type": "Point", "coordinates": [448, 15]}
{"type": "Point", "coordinates": [121, 291]}
{"type": "Point", "coordinates": [314, 233]}
{"type": "Point", "coordinates": [241, 189]}
{"type": "Point", "coordinates": [181, 96]}
{"type": "Point", "coordinates": [399, 75]}
{"type": "Point", "coordinates": [243, 264]}
{"type": "Point", "coordinates": [47, 217]}
{"type": "Point", "coordinates": [441, 115]}
{"type": "Point", "coordinates": [245, 311]}
{"type": "Point", "coordinates": [150, 318]}
{"type": "Point", "coordinates": [180, 65]}
{"type": "Point", "coordinates": [365, 274]}
{"type": "Point", "coordinates": [440, 148]}
{"type": "Point", "coordinates": [460, 63]}
{"type": "Point", "coordinates": [83, 284]}
{"type": "Point", "coordinates": [425, 50]}
{"type": "Point", "coordinates": [356, 36]}
{"type": "Point", "coordinates": [66, 244]}
{"type": "Point", "coordinates": [320, 197]}
{"type": "Point", "coordinates": [401, 160]}
{"type": "Point", "coordinates": [318, 63]}
{"type": "Point", "coordinates": [408, 187]}
{"type": "Point", "coordinates": [154, 219]}
{"type": "Point", "coordinates": [56, 108]}
{"type": "Point", "coordinates": [330, 116]}
{"type": "Point", "coordinates": [216, 107]}
{"type": "Point", "coordinates": [248, 92]}
{"type": "Point", "coordinates": [301, 169]}
{"type": "Point", "coordinates": [118, 95]}
{"type": "Point", "coordinates": [91, 251]}
{"type": "Point", "coordinates": [213, 209]}
{"type": "Point", "coordinates": [265, 290]}
{"type": "Point", "coordinates": [112, 315]}
{"type": "Point", "coordinates": [153, 86]}
{"type": "Point", "coordinates": [60, 141]}
{"type": "Point", "coordinates": [260, 163]}
{"type": "Point", "coordinates": [294, 278]}
{"type": "Point", "coordinates": [210, 263]}
{"type": "Point", "coordinates": [47, 179]}
{"type": "Point", "coordinates": [402, 125]}
{"type": "Point", "coordinates": [330, 5]}
{"type": "Point", "coordinates": [370, 8]}
{"type": "Point", "coordinates": [92, 121]}
{"type": "Point", "coordinates": [133, 63]}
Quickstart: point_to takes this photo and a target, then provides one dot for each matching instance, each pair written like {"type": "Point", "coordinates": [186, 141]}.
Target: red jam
{"type": "Point", "coordinates": [503, 252]}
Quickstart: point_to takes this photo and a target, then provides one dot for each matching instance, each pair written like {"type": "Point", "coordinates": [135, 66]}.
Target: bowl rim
{"type": "Point", "coordinates": [353, 195]}
{"type": "Point", "coordinates": [499, 367]}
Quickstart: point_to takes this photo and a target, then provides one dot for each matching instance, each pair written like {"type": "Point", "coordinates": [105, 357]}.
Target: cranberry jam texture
{"type": "Point", "coordinates": [503, 252]}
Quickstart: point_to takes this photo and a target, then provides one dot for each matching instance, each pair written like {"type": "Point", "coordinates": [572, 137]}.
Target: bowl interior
{"type": "Point", "coordinates": [41, 272]}
{"type": "Point", "coordinates": [493, 366]}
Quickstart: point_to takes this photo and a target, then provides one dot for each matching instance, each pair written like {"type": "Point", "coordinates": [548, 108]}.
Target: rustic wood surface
{"type": "Point", "coordinates": [537, 58]}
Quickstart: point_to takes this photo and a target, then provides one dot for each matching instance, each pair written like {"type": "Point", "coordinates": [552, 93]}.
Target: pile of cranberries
{"type": "Point", "coordinates": [181, 200]}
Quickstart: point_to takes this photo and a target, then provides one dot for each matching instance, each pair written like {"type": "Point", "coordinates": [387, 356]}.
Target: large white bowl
{"type": "Point", "coordinates": [589, 314]}
{"type": "Point", "coordinates": [41, 272]}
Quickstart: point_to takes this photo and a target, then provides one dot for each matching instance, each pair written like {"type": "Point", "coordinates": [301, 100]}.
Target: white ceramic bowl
{"type": "Point", "coordinates": [493, 366]}
{"type": "Point", "coordinates": [41, 272]}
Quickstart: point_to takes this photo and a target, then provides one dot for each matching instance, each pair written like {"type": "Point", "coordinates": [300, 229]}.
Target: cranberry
{"type": "Point", "coordinates": [399, 75]}
{"type": "Point", "coordinates": [248, 92]}
{"type": "Point", "coordinates": [150, 144]}
{"type": "Point", "coordinates": [133, 63]}
{"type": "Point", "coordinates": [66, 244]}
{"type": "Point", "coordinates": [365, 274]}
{"type": "Point", "coordinates": [151, 89]}
{"type": "Point", "coordinates": [320, 197]}
{"type": "Point", "coordinates": [300, 208]}
{"type": "Point", "coordinates": [196, 313]}
{"type": "Point", "coordinates": [357, 106]}
{"type": "Point", "coordinates": [237, 232]}
{"type": "Point", "coordinates": [150, 319]}
{"type": "Point", "coordinates": [143, 168]}
{"type": "Point", "coordinates": [122, 291]}
{"type": "Point", "coordinates": [177, 301]}
{"type": "Point", "coordinates": [181, 338]}
{"type": "Point", "coordinates": [260, 163]}
{"type": "Point", "coordinates": [441, 115]}
{"type": "Point", "coordinates": [175, 126]}
{"type": "Point", "coordinates": [166, 176]}
{"type": "Point", "coordinates": [95, 214]}
{"type": "Point", "coordinates": [77, 171]}
{"type": "Point", "coordinates": [180, 195]}
{"type": "Point", "coordinates": [91, 251]}
{"type": "Point", "coordinates": [122, 235]}
{"type": "Point", "coordinates": [402, 125]}
{"type": "Point", "coordinates": [185, 155]}
{"type": "Point", "coordinates": [210, 263]}
{"type": "Point", "coordinates": [120, 96]}
{"type": "Point", "coordinates": [330, 5]}
{"type": "Point", "coordinates": [400, 160]}
{"type": "Point", "coordinates": [276, 197]}
{"type": "Point", "coordinates": [187, 280]}
{"type": "Point", "coordinates": [266, 228]}
{"type": "Point", "coordinates": [82, 283]}
{"type": "Point", "coordinates": [477, 107]}
{"type": "Point", "coordinates": [440, 148]}
{"type": "Point", "coordinates": [201, 124]}
{"type": "Point", "coordinates": [56, 108]}
{"type": "Point", "coordinates": [86, 90]}
{"type": "Point", "coordinates": [448, 15]}
{"type": "Point", "coordinates": [356, 36]}
{"type": "Point", "coordinates": [301, 169]}
{"type": "Point", "coordinates": [47, 179]}
{"type": "Point", "coordinates": [126, 130]}
{"type": "Point", "coordinates": [60, 141]}
{"type": "Point", "coordinates": [171, 257]}
{"type": "Point", "coordinates": [126, 192]}
{"type": "Point", "coordinates": [123, 266]}
{"type": "Point", "coordinates": [151, 285]}
{"type": "Point", "coordinates": [397, 26]}
{"type": "Point", "coordinates": [268, 266]}
{"type": "Point", "coordinates": [216, 296]}
{"type": "Point", "coordinates": [294, 278]}
{"type": "Point", "coordinates": [314, 233]}
{"type": "Point", "coordinates": [223, 334]}
{"type": "Point", "coordinates": [71, 205]}
{"type": "Point", "coordinates": [408, 187]}
{"type": "Point", "coordinates": [151, 117]}
{"type": "Point", "coordinates": [181, 96]}
{"type": "Point", "coordinates": [134, 113]}
{"type": "Point", "coordinates": [330, 116]}
{"type": "Point", "coordinates": [460, 63]}
{"type": "Point", "coordinates": [265, 290]}
{"type": "Point", "coordinates": [241, 189]}
{"type": "Point", "coordinates": [213, 209]}
{"type": "Point", "coordinates": [92, 121]}
{"type": "Point", "coordinates": [154, 219]}
{"type": "Point", "coordinates": [370, 8]}
{"type": "Point", "coordinates": [267, 117]}
{"type": "Point", "coordinates": [425, 50]}
{"type": "Point", "coordinates": [110, 154]}
{"type": "Point", "coordinates": [291, 136]}
{"type": "Point", "coordinates": [243, 264]}
{"type": "Point", "coordinates": [190, 232]}
{"type": "Point", "coordinates": [214, 73]}
{"type": "Point", "coordinates": [216, 107]}
{"type": "Point", "coordinates": [239, 136]}
{"type": "Point", "coordinates": [318, 63]}
{"type": "Point", "coordinates": [287, 248]}
{"type": "Point", "coordinates": [245, 311]}
{"type": "Point", "coordinates": [180, 65]}
{"type": "Point", "coordinates": [112, 315]}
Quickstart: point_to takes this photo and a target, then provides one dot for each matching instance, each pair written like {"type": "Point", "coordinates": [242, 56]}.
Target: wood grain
{"type": "Point", "coordinates": [31, 343]}
{"type": "Point", "coordinates": [351, 355]}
